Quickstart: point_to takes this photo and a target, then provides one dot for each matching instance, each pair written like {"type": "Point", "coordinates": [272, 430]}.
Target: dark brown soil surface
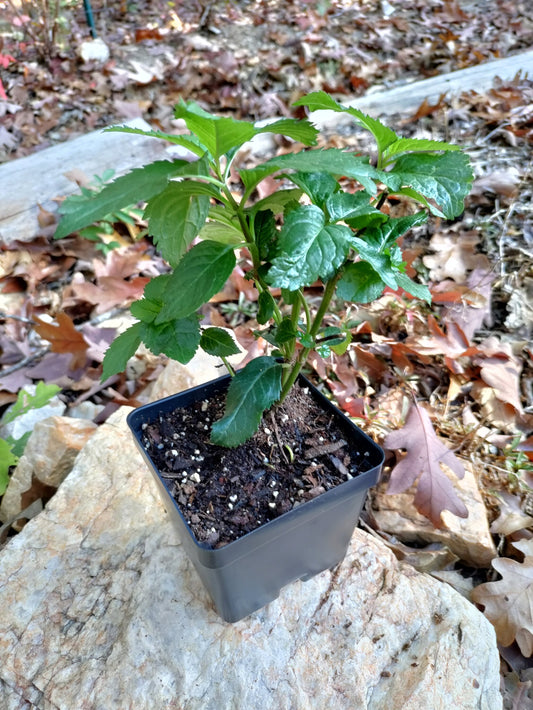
{"type": "Point", "coordinates": [299, 452]}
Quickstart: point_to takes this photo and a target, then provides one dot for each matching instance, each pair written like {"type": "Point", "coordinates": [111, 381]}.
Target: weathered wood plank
{"type": "Point", "coordinates": [407, 98]}
{"type": "Point", "coordinates": [39, 178]}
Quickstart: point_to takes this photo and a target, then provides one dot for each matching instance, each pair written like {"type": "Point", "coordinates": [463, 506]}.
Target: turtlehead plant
{"type": "Point", "coordinates": [325, 223]}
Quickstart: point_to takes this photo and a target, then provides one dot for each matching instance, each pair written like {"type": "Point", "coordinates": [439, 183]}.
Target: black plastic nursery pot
{"type": "Point", "coordinates": [248, 573]}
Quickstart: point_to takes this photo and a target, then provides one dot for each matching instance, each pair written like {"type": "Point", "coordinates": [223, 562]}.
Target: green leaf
{"type": "Point", "coordinates": [7, 459]}
{"type": "Point", "coordinates": [417, 197]}
{"type": "Point", "coordinates": [319, 101]}
{"type": "Point", "coordinates": [289, 297]}
{"type": "Point", "coordinates": [201, 273]}
{"type": "Point", "coordinates": [308, 249]}
{"type": "Point", "coordinates": [175, 218]}
{"type": "Point", "coordinates": [415, 289]}
{"type": "Point", "coordinates": [222, 226]}
{"type": "Point", "coordinates": [333, 161]}
{"type": "Point", "coordinates": [265, 234]}
{"type": "Point", "coordinates": [121, 349]}
{"type": "Point", "coordinates": [444, 179]}
{"type": "Point", "coordinates": [18, 445]}
{"type": "Point", "coordinates": [360, 283]}
{"type": "Point", "coordinates": [147, 308]}
{"type": "Point", "coordinates": [285, 331]}
{"type": "Point", "coordinates": [178, 339]}
{"type": "Point", "coordinates": [252, 390]}
{"type": "Point", "coordinates": [302, 131]}
{"type": "Point", "coordinates": [266, 307]}
{"type": "Point", "coordinates": [141, 184]}
{"type": "Point", "coordinates": [390, 231]}
{"type": "Point", "coordinates": [218, 342]}
{"type": "Point", "coordinates": [276, 201]}
{"type": "Point", "coordinates": [26, 401]}
{"type": "Point", "coordinates": [345, 205]}
{"type": "Point", "coordinates": [217, 133]}
{"type": "Point", "coordinates": [189, 142]}
{"type": "Point", "coordinates": [415, 145]}
{"type": "Point", "coordinates": [319, 186]}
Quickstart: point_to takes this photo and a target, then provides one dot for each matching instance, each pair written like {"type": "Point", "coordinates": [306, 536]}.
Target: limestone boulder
{"type": "Point", "coordinates": [101, 610]}
{"type": "Point", "coordinates": [47, 459]}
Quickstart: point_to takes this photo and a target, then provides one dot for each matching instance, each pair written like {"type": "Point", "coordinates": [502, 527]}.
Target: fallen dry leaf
{"type": "Point", "coordinates": [425, 454]}
{"type": "Point", "coordinates": [456, 256]}
{"type": "Point", "coordinates": [64, 338]}
{"type": "Point", "coordinates": [509, 602]}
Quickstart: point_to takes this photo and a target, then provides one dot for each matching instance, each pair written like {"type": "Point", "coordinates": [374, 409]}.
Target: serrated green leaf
{"type": "Point", "coordinates": [319, 186]}
{"type": "Point", "coordinates": [415, 145]}
{"type": "Point", "coordinates": [277, 201]}
{"type": "Point", "coordinates": [299, 130]}
{"type": "Point", "coordinates": [320, 101]}
{"type": "Point", "coordinates": [26, 401]}
{"type": "Point", "coordinates": [18, 445]}
{"type": "Point", "coordinates": [346, 205]}
{"type": "Point", "coordinates": [138, 185]}
{"type": "Point", "coordinates": [121, 349]}
{"type": "Point", "coordinates": [265, 234]}
{"type": "Point", "coordinates": [266, 307]}
{"type": "Point", "coordinates": [360, 283]}
{"type": "Point", "coordinates": [218, 134]}
{"type": "Point", "coordinates": [333, 161]}
{"type": "Point", "coordinates": [175, 217]}
{"type": "Point", "coordinates": [178, 339]}
{"type": "Point", "coordinates": [416, 196]}
{"type": "Point", "coordinates": [415, 289]}
{"type": "Point", "coordinates": [222, 226]}
{"type": "Point", "coordinates": [252, 390]}
{"type": "Point", "coordinates": [285, 331]}
{"type": "Point", "coordinates": [220, 232]}
{"type": "Point", "coordinates": [308, 249]}
{"type": "Point", "coordinates": [218, 342]}
{"type": "Point", "coordinates": [189, 142]}
{"type": "Point", "coordinates": [444, 179]}
{"type": "Point", "coordinates": [389, 232]}
{"type": "Point", "coordinates": [147, 308]}
{"type": "Point", "coordinates": [201, 273]}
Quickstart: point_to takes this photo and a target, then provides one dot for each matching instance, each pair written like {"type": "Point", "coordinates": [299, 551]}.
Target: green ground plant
{"type": "Point", "coordinates": [11, 449]}
{"type": "Point", "coordinates": [325, 223]}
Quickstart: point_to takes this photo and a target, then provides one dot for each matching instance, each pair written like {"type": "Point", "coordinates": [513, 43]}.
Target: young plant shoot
{"type": "Point", "coordinates": [324, 223]}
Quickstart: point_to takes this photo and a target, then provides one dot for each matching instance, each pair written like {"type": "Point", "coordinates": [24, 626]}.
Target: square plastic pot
{"type": "Point", "coordinates": [248, 573]}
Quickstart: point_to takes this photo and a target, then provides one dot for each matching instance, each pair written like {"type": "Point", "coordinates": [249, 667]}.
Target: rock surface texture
{"type": "Point", "coordinates": [47, 459]}
{"type": "Point", "coordinates": [101, 610]}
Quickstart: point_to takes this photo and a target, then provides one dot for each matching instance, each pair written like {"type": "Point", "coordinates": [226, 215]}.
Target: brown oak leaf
{"type": "Point", "coordinates": [425, 453]}
{"type": "Point", "coordinates": [64, 338]}
{"type": "Point", "coordinates": [509, 601]}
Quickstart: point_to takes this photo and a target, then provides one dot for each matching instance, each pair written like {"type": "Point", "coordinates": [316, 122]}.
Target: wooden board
{"type": "Point", "coordinates": [37, 179]}
{"type": "Point", "coordinates": [407, 98]}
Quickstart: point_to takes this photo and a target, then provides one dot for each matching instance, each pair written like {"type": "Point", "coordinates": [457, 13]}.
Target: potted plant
{"type": "Point", "coordinates": [267, 488]}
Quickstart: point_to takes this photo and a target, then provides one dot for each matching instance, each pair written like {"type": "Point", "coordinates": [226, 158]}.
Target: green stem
{"type": "Point", "coordinates": [293, 373]}
{"type": "Point", "coordinates": [229, 367]}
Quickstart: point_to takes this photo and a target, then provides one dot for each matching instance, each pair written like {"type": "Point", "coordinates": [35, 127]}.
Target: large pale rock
{"type": "Point", "coordinates": [469, 538]}
{"type": "Point", "coordinates": [47, 459]}
{"type": "Point", "coordinates": [101, 610]}
{"type": "Point", "coordinates": [177, 377]}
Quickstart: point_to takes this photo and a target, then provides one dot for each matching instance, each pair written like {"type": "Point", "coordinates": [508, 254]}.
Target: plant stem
{"type": "Point", "coordinates": [229, 367]}
{"type": "Point", "coordinates": [293, 373]}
